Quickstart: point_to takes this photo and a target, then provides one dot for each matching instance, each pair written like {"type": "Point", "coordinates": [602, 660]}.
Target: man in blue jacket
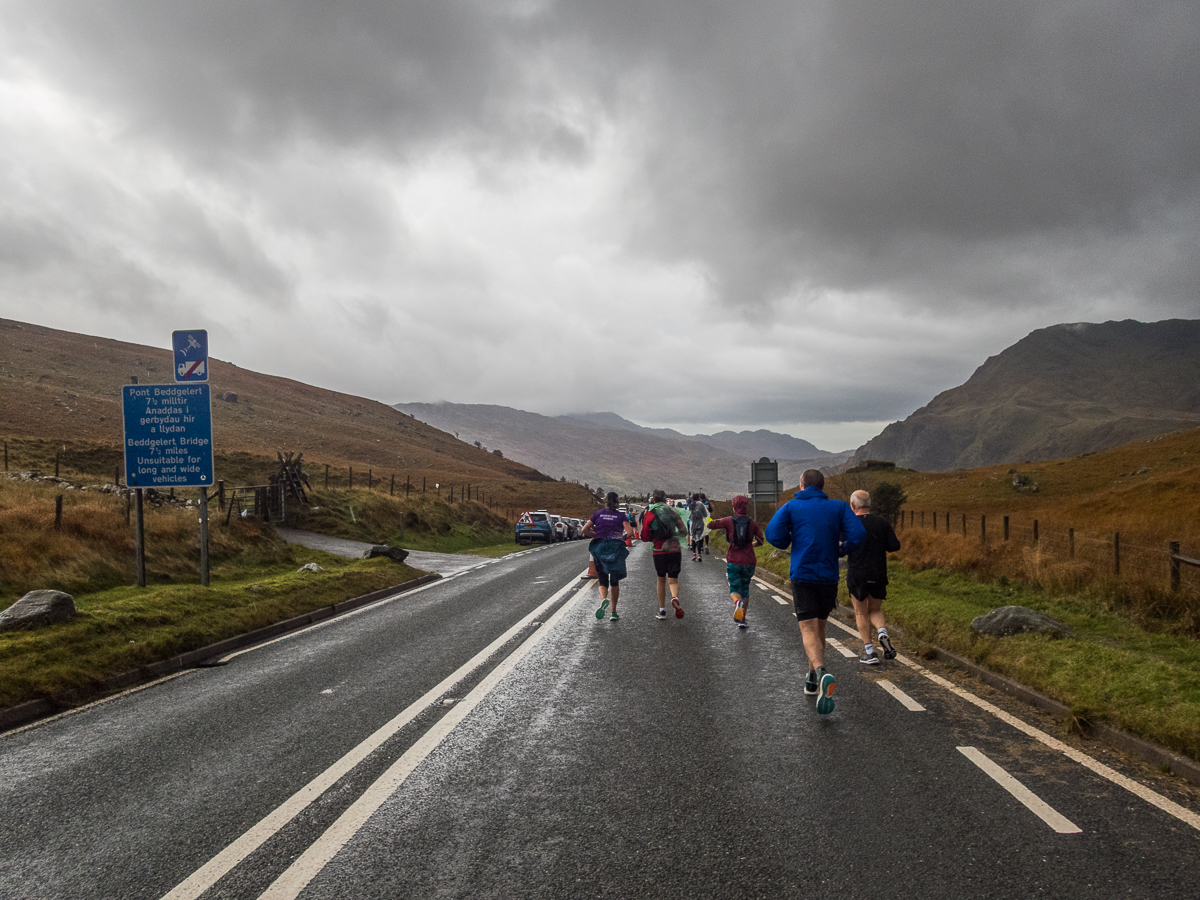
{"type": "Point", "coordinates": [818, 530]}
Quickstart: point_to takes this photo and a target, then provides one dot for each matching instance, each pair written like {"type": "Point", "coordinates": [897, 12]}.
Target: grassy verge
{"type": "Point", "coordinates": [1141, 679]}
{"type": "Point", "coordinates": [125, 627]}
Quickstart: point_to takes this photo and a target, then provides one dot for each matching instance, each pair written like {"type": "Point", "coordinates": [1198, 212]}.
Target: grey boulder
{"type": "Point", "coordinates": [395, 553]}
{"type": "Point", "coordinates": [1010, 620]}
{"type": "Point", "coordinates": [38, 608]}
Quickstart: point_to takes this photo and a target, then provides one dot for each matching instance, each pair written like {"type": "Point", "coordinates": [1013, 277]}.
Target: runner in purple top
{"type": "Point", "coordinates": [608, 528]}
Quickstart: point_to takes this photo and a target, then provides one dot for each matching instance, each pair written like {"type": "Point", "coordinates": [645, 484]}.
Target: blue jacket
{"type": "Point", "coordinates": [814, 526]}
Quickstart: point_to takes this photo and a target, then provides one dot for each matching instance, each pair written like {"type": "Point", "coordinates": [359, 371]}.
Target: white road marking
{"type": "Point", "coordinates": [841, 648]}
{"type": "Point", "coordinates": [908, 702]}
{"type": "Point", "coordinates": [208, 875]}
{"type": "Point", "coordinates": [1032, 801]}
{"type": "Point", "coordinates": [296, 878]}
{"type": "Point", "coordinates": [1140, 790]}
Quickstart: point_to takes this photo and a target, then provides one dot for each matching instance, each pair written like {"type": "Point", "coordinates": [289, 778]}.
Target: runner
{"type": "Point", "coordinates": [608, 548]}
{"type": "Point", "coordinates": [743, 534]}
{"type": "Point", "coordinates": [662, 525]}
{"type": "Point", "coordinates": [697, 517]}
{"type": "Point", "coordinates": [866, 578]}
{"type": "Point", "coordinates": [817, 529]}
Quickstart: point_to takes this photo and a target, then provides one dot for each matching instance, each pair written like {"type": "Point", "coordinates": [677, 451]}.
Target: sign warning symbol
{"type": "Point", "coordinates": [191, 355]}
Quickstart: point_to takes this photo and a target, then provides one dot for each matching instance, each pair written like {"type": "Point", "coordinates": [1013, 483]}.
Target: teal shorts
{"type": "Point", "coordinates": [739, 578]}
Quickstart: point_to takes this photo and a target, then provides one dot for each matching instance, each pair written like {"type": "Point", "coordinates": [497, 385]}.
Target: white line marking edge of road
{"type": "Point", "coordinates": [1024, 795]}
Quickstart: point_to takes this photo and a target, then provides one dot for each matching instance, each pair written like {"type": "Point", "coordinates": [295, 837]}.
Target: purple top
{"type": "Point", "coordinates": [609, 524]}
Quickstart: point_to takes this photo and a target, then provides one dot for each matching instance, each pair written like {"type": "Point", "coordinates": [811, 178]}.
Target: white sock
{"type": "Point", "coordinates": [883, 632]}
{"type": "Point", "coordinates": [868, 648]}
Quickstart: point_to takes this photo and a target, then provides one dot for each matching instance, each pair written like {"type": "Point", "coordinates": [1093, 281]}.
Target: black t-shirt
{"type": "Point", "coordinates": [869, 561]}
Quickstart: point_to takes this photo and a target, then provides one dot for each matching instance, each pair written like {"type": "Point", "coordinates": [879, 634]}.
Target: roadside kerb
{"type": "Point", "coordinates": [1182, 766]}
{"type": "Point", "coordinates": [24, 713]}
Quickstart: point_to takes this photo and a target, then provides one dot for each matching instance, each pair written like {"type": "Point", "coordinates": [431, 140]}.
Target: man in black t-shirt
{"type": "Point", "coordinates": [866, 578]}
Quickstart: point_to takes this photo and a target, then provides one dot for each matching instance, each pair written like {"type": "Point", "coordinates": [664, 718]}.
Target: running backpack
{"type": "Point", "coordinates": [741, 532]}
{"type": "Point", "coordinates": [666, 524]}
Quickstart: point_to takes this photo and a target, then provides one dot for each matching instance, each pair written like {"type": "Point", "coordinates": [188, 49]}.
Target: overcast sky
{"type": "Point", "coordinates": [828, 211]}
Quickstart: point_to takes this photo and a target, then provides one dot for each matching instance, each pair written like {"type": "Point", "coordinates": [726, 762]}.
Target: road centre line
{"type": "Point", "coordinates": [1032, 801]}
{"type": "Point", "coordinates": [1139, 790]}
{"type": "Point", "coordinates": [906, 701]}
{"type": "Point", "coordinates": [212, 871]}
{"type": "Point", "coordinates": [298, 875]}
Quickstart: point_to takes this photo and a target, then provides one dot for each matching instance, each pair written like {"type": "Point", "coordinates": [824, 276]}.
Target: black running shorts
{"type": "Point", "coordinates": [860, 590]}
{"type": "Point", "coordinates": [667, 565]}
{"type": "Point", "coordinates": [814, 600]}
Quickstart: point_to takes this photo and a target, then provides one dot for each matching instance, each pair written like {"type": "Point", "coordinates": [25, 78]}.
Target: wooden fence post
{"type": "Point", "coordinates": [964, 524]}
{"type": "Point", "coordinates": [922, 518]}
{"type": "Point", "coordinates": [1173, 556]}
{"type": "Point", "coordinates": [392, 490]}
{"type": "Point", "coordinates": [1035, 531]}
{"type": "Point", "coordinates": [1006, 528]}
{"type": "Point", "coordinates": [1070, 543]}
{"type": "Point", "coordinates": [983, 529]}
{"type": "Point", "coordinates": [327, 476]}
{"type": "Point", "coordinates": [6, 456]}
{"type": "Point", "coordinates": [350, 486]}
{"type": "Point", "coordinates": [117, 475]}
{"type": "Point", "coordinates": [370, 478]}
{"type": "Point", "coordinates": [947, 523]}
{"type": "Point", "coordinates": [935, 520]}
{"type": "Point", "coordinates": [1116, 553]}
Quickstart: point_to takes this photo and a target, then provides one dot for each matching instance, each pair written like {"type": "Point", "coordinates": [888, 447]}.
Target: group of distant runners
{"type": "Point", "coordinates": [817, 529]}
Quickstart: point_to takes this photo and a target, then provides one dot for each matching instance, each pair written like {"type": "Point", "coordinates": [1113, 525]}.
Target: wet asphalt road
{"type": "Point", "coordinates": [582, 758]}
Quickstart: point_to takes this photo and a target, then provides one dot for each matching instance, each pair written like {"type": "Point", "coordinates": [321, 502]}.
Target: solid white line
{"type": "Point", "coordinates": [208, 875]}
{"type": "Point", "coordinates": [908, 702]}
{"type": "Point", "coordinates": [1032, 801]}
{"type": "Point", "coordinates": [841, 648]}
{"type": "Point", "coordinates": [1140, 790]}
{"type": "Point", "coordinates": [289, 885]}
{"type": "Point", "coordinates": [340, 617]}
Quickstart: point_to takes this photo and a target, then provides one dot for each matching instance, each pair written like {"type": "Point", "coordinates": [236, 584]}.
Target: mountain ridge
{"type": "Point", "coordinates": [1061, 391]}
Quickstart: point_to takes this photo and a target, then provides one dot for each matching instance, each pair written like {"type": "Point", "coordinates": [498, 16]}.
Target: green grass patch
{"type": "Point", "coordinates": [1143, 681]}
{"type": "Point", "coordinates": [124, 628]}
{"type": "Point", "coordinates": [496, 551]}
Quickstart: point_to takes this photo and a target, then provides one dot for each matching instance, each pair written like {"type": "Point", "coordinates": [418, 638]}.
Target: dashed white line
{"type": "Point", "coordinates": [906, 701]}
{"type": "Point", "coordinates": [1032, 801]}
{"type": "Point", "coordinates": [841, 648]}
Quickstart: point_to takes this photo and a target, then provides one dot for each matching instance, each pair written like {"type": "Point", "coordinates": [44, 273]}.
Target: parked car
{"type": "Point", "coordinates": [562, 531]}
{"type": "Point", "coordinates": [535, 525]}
{"type": "Point", "coordinates": [576, 526]}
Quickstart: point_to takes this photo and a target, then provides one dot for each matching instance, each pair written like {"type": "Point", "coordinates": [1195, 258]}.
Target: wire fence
{"type": "Point", "coordinates": [1160, 578]}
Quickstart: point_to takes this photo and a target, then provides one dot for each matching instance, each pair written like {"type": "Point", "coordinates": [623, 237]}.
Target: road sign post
{"type": "Point", "coordinates": [764, 483]}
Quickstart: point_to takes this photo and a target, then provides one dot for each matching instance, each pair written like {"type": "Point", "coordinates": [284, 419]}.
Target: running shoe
{"type": "Point", "coordinates": [614, 617]}
{"type": "Point", "coordinates": [825, 688]}
{"type": "Point", "coordinates": [661, 614]}
{"type": "Point", "coordinates": [603, 607]}
{"type": "Point", "coordinates": [742, 624]}
{"type": "Point", "coordinates": [739, 612]}
{"type": "Point", "coordinates": [810, 684]}
{"type": "Point", "coordinates": [889, 652]}
{"type": "Point", "coordinates": [678, 608]}
{"type": "Point", "coordinates": [869, 659]}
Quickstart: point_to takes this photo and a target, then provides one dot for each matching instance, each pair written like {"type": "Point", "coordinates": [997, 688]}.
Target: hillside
{"type": "Point", "coordinates": [605, 450]}
{"type": "Point", "coordinates": [1061, 391]}
{"type": "Point", "coordinates": [56, 386]}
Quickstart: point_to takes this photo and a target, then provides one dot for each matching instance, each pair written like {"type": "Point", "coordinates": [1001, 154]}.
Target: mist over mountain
{"type": "Point", "coordinates": [1060, 391]}
{"type": "Point", "coordinates": [605, 450]}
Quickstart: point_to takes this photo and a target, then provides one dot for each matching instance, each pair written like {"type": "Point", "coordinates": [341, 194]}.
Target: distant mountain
{"type": "Point", "coordinates": [1060, 391]}
{"type": "Point", "coordinates": [607, 451]}
{"type": "Point", "coordinates": [751, 444]}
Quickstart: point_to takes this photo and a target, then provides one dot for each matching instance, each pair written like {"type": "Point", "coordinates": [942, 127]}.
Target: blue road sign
{"type": "Point", "coordinates": [168, 435]}
{"type": "Point", "coordinates": [191, 355]}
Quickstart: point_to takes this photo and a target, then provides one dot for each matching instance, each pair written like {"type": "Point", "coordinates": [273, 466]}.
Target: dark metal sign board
{"type": "Point", "coordinates": [764, 484]}
{"type": "Point", "coordinates": [168, 435]}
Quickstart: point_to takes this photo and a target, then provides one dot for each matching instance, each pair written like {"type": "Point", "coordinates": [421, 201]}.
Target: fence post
{"type": "Point", "coordinates": [117, 475]}
{"type": "Point", "coordinates": [392, 490]}
{"type": "Point", "coordinates": [935, 520]}
{"type": "Point", "coordinates": [1116, 553]}
{"type": "Point", "coordinates": [1006, 528]}
{"type": "Point", "coordinates": [964, 524]}
{"type": "Point", "coordinates": [983, 529]}
{"type": "Point", "coordinates": [922, 518]}
{"type": "Point", "coordinates": [326, 476]}
{"type": "Point", "coordinates": [1070, 543]}
{"type": "Point", "coordinates": [1173, 556]}
{"type": "Point", "coordinates": [350, 486]}
{"type": "Point", "coordinates": [1035, 531]}
{"type": "Point", "coordinates": [422, 484]}
{"type": "Point", "coordinates": [947, 523]}
{"type": "Point", "coordinates": [6, 456]}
